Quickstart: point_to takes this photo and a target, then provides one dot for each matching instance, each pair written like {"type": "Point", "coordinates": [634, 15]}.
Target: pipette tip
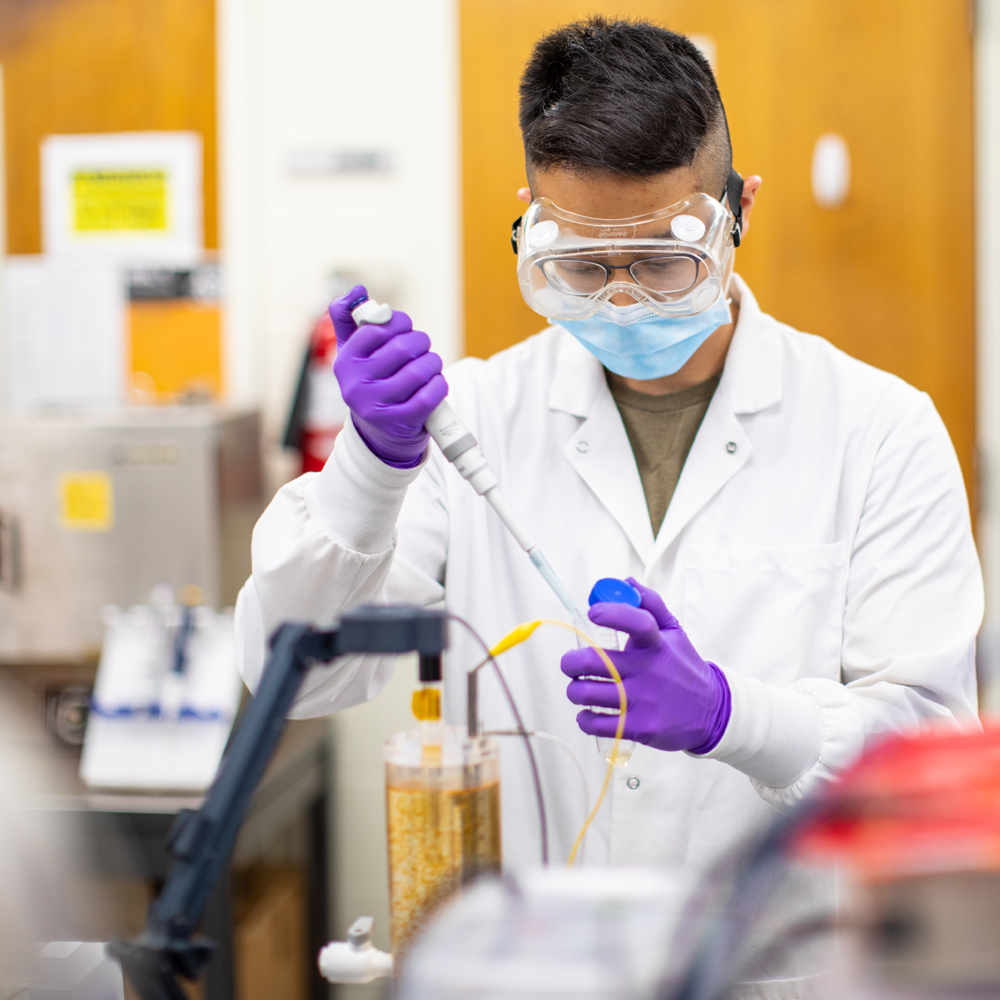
{"type": "Point", "coordinates": [549, 575]}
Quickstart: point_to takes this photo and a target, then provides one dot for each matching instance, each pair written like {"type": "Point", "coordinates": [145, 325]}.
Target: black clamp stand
{"type": "Point", "coordinates": [202, 840]}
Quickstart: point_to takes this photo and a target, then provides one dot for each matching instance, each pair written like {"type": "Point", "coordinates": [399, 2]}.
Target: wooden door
{"type": "Point", "coordinates": [888, 276]}
{"type": "Point", "coordinates": [77, 66]}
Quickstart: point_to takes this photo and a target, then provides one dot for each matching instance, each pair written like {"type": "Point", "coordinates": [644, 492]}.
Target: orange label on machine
{"type": "Point", "coordinates": [86, 501]}
{"type": "Point", "coordinates": [176, 351]}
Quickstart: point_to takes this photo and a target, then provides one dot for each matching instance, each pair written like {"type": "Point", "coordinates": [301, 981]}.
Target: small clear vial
{"type": "Point", "coordinates": [608, 638]}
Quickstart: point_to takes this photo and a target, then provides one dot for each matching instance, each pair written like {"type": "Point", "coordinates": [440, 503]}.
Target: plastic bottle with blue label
{"type": "Point", "coordinates": [612, 590]}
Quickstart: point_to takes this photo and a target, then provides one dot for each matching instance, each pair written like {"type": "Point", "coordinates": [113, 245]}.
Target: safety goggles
{"type": "Point", "coordinates": [675, 261]}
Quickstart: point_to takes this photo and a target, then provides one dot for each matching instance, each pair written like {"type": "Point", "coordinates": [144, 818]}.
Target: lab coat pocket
{"type": "Point", "coordinates": [771, 613]}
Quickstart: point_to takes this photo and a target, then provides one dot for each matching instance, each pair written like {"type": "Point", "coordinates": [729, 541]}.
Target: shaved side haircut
{"type": "Point", "coordinates": [623, 97]}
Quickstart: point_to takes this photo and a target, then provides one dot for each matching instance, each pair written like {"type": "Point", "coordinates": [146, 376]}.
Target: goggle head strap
{"type": "Point", "coordinates": [734, 195]}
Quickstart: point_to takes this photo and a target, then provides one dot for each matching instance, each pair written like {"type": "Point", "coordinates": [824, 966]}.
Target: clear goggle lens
{"type": "Point", "coordinates": [672, 274]}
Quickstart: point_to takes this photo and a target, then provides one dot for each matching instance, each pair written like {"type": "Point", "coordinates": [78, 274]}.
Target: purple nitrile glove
{"type": "Point", "coordinates": [676, 700]}
{"type": "Point", "coordinates": [390, 379]}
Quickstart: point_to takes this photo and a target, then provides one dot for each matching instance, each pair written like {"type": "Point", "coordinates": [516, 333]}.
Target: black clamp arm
{"type": "Point", "coordinates": [201, 841]}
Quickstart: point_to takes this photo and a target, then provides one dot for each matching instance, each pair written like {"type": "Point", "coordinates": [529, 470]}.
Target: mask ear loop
{"type": "Point", "coordinates": [734, 194]}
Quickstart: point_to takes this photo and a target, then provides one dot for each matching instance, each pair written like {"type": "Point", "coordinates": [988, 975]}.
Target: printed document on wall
{"type": "Point", "coordinates": [65, 328]}
{"type": "Point", "coordinates": [134, 196]}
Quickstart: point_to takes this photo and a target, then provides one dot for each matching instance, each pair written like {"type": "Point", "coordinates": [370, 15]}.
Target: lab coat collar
{"type": "Point", "coordinates": [579, 378]}
{"type": "Point", "coordinates": [600, 450]}
{"type": "Point", "coordinates": [752, 373]}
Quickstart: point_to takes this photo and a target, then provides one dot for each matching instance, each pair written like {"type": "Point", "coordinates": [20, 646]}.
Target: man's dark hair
{"type": "Point", "coordinates": [623, 97]}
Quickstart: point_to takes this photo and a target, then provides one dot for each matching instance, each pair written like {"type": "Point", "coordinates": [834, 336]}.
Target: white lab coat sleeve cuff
{"type": "Point", "coordinates": [357, 497]}
{"type": "Point", "coordinates": [774, 734]}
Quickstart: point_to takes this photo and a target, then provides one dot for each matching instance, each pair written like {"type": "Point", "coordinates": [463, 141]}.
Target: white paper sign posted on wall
{"type": "Point", "coordinates": [132, 196]}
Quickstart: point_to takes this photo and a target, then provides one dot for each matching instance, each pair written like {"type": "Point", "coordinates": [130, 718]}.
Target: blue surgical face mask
{"type": "Point", "coordinates": [635, 342]}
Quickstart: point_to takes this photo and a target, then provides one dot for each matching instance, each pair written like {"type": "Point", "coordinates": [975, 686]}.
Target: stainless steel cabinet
{"type": "Point", "coordinates": [97, 508]}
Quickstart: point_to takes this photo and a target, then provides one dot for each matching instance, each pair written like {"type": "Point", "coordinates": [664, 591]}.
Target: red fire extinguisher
{"type": "Point", "coordinates": [318, 409]}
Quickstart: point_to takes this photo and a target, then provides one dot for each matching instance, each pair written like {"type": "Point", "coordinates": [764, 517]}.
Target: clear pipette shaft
{"type": "Point", "coordinates": [506, 514]}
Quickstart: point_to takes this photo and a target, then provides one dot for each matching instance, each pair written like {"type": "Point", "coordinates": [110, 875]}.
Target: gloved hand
{"type": "Point", "coordinates": [676, 700]}
{"type": "Point", "coordinates": [390, 379]}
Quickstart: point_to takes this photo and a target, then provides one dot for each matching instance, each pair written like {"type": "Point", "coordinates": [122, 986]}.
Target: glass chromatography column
{"type": "Point", "coordinates": [443, 817]}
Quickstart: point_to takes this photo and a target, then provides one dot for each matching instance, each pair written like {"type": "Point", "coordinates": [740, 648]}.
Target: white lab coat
{"type": "Point", "coordinates": [817, 548]}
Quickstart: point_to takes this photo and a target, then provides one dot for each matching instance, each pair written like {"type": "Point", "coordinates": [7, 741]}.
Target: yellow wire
{"type": "Point", "coordinates": [523, 631]}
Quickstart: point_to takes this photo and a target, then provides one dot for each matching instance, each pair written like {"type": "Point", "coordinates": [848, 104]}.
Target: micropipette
{"type": "Point", "coordinates": [460, 447]}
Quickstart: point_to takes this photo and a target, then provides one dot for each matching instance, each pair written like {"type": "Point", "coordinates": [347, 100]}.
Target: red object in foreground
{"type": "Point", "coordinates": [914, 805]}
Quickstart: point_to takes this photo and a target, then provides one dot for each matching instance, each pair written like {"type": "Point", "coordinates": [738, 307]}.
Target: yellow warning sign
{"type": "Point", "coordinates": [86, 501]}
{"type": "Point", "coordinates": [126, 200]}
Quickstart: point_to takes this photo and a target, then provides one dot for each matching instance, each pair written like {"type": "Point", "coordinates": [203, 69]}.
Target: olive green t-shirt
{"type": "Point", "coordinates": [661, 430]}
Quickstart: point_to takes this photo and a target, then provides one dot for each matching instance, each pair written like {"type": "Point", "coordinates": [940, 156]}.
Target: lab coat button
{"type": "Point", "coordinates": [633, 782]}
{"type": "Point", "coordinates": [731, 447]}
{"type": "Point", "coordinates": [582, 447]}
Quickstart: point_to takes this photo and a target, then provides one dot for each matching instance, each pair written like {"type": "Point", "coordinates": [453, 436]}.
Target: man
{"type": "Point", "coordinates": [800, 514]}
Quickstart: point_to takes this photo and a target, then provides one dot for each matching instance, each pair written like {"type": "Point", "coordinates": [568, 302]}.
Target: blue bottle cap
{"type": "Point", "coordinates": [615, 592]}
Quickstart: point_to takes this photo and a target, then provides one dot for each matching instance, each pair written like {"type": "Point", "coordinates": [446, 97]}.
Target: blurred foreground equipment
{"type": "Point", "coordinates": [201, 841]}
{"type": "Point", "coordinates": [75, 970]}
{"type": "Point", "coordinates": [98, 508]}
{"type": "Point", "coordinates": [552, 932]}
{"type": "Point", "coordinates": [913, 828]}
{"type": "Point", "coordinates": [918, 824]}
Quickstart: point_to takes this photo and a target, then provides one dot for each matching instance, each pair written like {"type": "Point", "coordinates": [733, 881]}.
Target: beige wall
{"type": "Point", "coordinates": [300, 77]}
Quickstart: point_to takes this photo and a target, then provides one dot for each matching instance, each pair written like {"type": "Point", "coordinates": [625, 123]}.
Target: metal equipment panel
{"type": "Point", "coordinates": [96, 509]}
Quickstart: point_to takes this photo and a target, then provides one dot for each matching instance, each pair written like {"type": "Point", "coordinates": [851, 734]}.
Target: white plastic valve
{"type": "Point", "coordinates": [355, 960]}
